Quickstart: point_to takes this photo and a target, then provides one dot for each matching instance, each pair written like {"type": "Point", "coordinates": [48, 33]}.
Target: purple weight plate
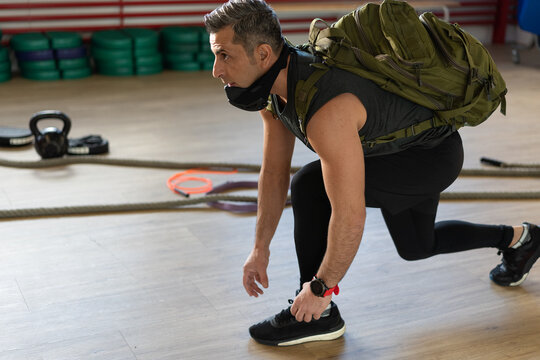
{"type": "Point", "coordinates": [70, 53]}
{"type": "Point", "coordinates": [35, 55]}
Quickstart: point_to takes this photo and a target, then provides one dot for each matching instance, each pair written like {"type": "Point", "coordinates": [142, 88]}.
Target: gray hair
{"type": "Point", "coordinates": [253, 21]}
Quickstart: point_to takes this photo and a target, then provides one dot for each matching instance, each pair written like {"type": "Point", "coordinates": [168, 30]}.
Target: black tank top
{"type": "Point", "coordinates": [386, 112]}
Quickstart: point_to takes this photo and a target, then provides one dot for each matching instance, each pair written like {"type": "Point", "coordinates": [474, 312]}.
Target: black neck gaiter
{"type": "Point", "coordinates": [255, 97]}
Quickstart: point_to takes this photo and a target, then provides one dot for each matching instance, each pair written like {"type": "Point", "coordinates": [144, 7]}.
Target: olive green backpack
{"type": "Point", "coordinates": [421, 58]}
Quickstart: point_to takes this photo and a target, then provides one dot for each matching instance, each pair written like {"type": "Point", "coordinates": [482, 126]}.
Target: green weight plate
{"type": "Point", "coordinates": [37, 65]}
{"type": "Point", "coordinates": [205, 36]}
{"type": "Point", "coordinates": [181, 48]}
{"type": "Point", "coordinates": [207, 65]}
{"type": "Point", "coordinates": [204, 56]}
{"type": "Point", "coordinates": [77, 63]}
{"type": "Point", "coordinates": [113, 66]}
{"type": "Point", "coordinates": [5, 66]}
{"type": "Point", "coordinates": [184, 66]}
{"type": "Point", "coordinates": [180, 35]}
{"type": "Point", "coordinates": [154, 60]}
{"type": "Point", "coordinates": [115, 71]}
{"type": "Point", "coordinates": [205, 47]}
{"type": "Point", "coordinates": [64, 39]}
{"type": "Point", "coordinates": [108, 54]}
{"type": "Point", "coordinates": [5, 76]}
{"type": "Point", "coordinates": [4, 54]}
{"type": "Point", "coordinates": [77, 73]}
{"type": "Point", "coordinates": [148, 70]}
{"type": "Point", "coordinates": [42, 74]}
{"type": "Point", "coordinates": [112, 39]}
{"type": "Point", "coordinates": [148, 51]}
{"type": "Point", "coordinates": [179, 57]}
{"type": "Point", "coordinates": [126, 62]}
{"type": "Point", "coordinates": [29, 42]}
{"type": "Point", "coordinates": [142, 38]}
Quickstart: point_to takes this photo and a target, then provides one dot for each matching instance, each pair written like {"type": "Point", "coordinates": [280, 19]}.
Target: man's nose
{"type": "Point", "coordinates": [217, 70]}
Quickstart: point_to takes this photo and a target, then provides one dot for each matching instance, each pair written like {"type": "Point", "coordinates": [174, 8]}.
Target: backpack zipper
{"type": "Point", "coordinates": [396, 67]}
{"type": "Point", "coordinates": [438, 105]}
{"type": "Point", "coordinates": [443, 48]}
{"type": "Point", "coordinates": [471, 72]}
{"type": "Point", "coordinates": [363, 34]}
{"type": "Point", "coordinates": [390, 61]}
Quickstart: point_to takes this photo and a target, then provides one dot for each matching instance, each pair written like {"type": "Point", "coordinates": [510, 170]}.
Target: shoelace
{"type": "Point", "coordinates": [285, 315]}
{"type": "Point", "coordinates": [507, 258]}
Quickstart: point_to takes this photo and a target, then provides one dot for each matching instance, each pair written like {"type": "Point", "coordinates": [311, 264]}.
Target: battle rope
{"type": "Point", "coordinates": [513, 170]}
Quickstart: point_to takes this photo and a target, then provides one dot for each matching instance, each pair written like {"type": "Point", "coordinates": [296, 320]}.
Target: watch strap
{"type": "Point", "coordinates": [334, 290]}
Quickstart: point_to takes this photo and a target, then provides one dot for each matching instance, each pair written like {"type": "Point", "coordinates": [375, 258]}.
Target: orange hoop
{"type": "Point", "coordinates": [174, 181]}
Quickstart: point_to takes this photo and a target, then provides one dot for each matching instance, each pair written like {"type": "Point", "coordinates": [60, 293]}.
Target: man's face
{"type": "Point", "coordinates": [232, 64]}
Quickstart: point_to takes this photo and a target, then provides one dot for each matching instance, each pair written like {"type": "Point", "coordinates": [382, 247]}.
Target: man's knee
{"type": "Point", "coordinates": [413, 248]}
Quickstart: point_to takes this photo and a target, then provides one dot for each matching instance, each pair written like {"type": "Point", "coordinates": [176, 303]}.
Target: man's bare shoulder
{"type": "Point", "coordinates": [343, 111]}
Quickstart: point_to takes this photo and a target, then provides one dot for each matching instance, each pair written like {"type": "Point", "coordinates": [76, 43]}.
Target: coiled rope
{"type": "Point", "coordinates": [507, 170]}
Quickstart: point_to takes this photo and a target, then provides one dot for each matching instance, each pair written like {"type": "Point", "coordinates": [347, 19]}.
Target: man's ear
{"type": "Point", "coordinates": [263, 54]}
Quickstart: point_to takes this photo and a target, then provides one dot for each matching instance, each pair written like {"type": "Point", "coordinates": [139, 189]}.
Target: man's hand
{"type": "Point", "coordinates": [255, 271]}
{"type": "Point", "coordinates": [308, 306]}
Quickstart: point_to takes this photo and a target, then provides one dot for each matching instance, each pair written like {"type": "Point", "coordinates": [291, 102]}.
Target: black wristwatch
{"type": "Point", "coordinates": [319, 288]}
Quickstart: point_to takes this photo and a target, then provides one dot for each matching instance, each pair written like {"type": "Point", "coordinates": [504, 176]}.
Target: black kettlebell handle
{"type": "Point", "coordinates": [49, 114]}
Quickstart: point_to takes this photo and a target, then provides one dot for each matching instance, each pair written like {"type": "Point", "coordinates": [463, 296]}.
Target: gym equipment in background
{"type": "Point", "coordinates": [528, 14]}
{"type": "Point", "coordinates": [186, 48]}
{"type": "Point", "coordinates": [50, 142]}
{"type": "Point", "coordinates": [51, 55]}
{"type": "Point", "coordinates": [15, 137]}
{"type": "Point", "coordinates": [513, 170]}
{"type": "Point", "coordinates": [88, 145]}
{"type": "Point", "coordinates": [5, 64]}
{"type": "Point", "coordinates": [126, 52]}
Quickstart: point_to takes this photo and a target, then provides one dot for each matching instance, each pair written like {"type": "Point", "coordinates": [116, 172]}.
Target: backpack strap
{"type": "Point", "coordinates": [319, 38]}
{"type": "Point", "coordinates": [503, 102]}
{"type": "Point", "coordinates": [304, 93]}
{"type": "Point", "coordinates": [473, 72]}
{"type": "Point", "coordinates": [455, 113]}
{"type": "Point", "coordinates": [412, 130]}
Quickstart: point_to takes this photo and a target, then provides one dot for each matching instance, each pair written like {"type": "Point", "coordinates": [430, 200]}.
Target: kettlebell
{"type": "Point", "coordinates": [50, 142]}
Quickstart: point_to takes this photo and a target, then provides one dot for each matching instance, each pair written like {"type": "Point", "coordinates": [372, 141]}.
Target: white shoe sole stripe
{"type": "Point", "coordinates": [517, 283]}
{"type": "Point", "coordinates": [320, 337]}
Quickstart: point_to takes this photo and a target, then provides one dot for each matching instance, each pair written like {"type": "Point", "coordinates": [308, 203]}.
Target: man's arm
{"type": "Point", "coordinates": [272, 195]}
{"type": "Point", "coordinates": [333, 133]}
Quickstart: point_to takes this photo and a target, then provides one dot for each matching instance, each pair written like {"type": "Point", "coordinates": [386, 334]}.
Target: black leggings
{"type": "Point", "coordinates": [413, 229]}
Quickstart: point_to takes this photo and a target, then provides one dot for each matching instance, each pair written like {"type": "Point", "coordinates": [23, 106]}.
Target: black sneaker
{"type": "Point", "coordinates": [283, 330]}
{"type": "Point", "coordinates": [516, 263]}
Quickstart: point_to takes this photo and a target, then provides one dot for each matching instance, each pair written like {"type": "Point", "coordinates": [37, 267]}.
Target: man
{"type": "Point", "coordinates": [330, 195]}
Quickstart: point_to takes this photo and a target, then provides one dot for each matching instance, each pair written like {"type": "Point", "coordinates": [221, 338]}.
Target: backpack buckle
{"type": "Point", "coordinates": [411, 129]}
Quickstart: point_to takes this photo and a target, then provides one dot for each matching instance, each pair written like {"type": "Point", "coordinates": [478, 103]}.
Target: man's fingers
{"type": "Point", "coordinates": [248, 284]}
{"type": "Point", "coordinates": [300, 316]}
{"type": "Point", "coordinates": [293, 310]}
{"type": "Point", "coordinates": [251, 286]}
{"type": "Point", "coordinates": [262, 279]}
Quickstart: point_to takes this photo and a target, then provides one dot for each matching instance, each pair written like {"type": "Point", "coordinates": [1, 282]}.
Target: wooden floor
{"type": "Point", "coordinates": [167, 284]}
